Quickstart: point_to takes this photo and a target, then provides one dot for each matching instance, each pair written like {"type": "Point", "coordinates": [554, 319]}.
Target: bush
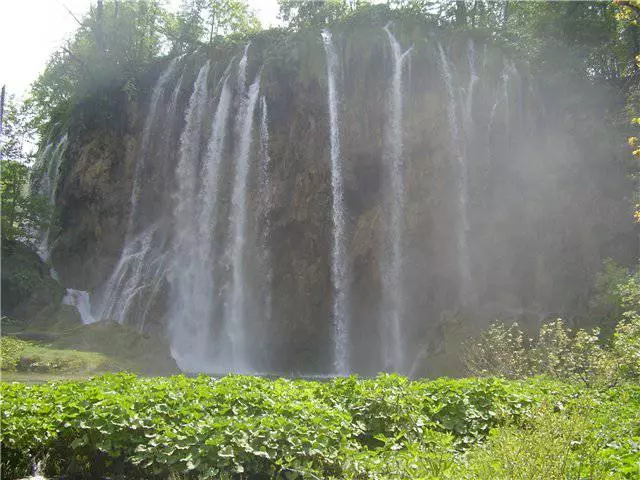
{"type": "Point", "coordinates": [11, 350]}
{"type": "Point", "coordinates": [553, 446]}
{"type": "Point", "coordinates": [559, 352]}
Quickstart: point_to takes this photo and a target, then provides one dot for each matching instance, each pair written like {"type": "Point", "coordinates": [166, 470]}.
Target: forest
{"type": "Point", "coordinates": [381, 240]}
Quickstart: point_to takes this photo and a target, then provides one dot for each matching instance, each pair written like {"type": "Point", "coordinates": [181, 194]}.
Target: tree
{"type": "Point", "coordinates": [199, 22]}
{"type": "Point", "coordinates": [316, 13]}
{"type": "Point", "coordinates": [23, 212]}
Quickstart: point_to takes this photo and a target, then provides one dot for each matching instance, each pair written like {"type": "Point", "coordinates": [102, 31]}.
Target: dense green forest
{"type": "Point", "coordinates": [537, 396]}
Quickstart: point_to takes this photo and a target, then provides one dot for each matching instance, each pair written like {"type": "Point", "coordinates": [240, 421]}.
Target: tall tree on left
{"type": "Point", "coordinates": [24, 212]}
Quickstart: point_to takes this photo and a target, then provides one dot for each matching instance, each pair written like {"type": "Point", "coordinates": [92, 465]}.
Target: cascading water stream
{"type": "Point", "coordinates": [135, 267]}
{"type": "Point", "coordinates": [235, 317]}
{"type": "Point", "coordinates": [52, 160]}
{"type": "Point", "coordinates": [339, 260]}
{"type": "Point", "coordinates": [242, 70]}
{"type": "Point", "coordinates": [459, 147]}
{"type": "Point", "coordinates": [189, 322]}
{"type": "Point", "coordinates": [156, 95]}
{"type": "Point", "coordinates": [265, 195]}
{"type": "Point", "coordinates": [81, 301]}
{"type": "Point", "coordinates": [393, 296]}
{"type": "Point", "coordinates": [502, 96]}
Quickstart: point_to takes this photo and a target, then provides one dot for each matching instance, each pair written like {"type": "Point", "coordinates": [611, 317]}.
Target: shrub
{"type": "Point", "coordinates": [11, 350]}
{"type": "Point", "coordinates": [559, 352]}
{"type": "Point", "coordinates": [555, 446]}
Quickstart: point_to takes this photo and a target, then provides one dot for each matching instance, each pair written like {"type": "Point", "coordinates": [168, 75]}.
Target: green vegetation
{"type": "Point", "coordinates": [23, 356]}
{"type": "Point", "coordinates": [388, 427]}
{"type": "Point", "coordinates": [58, 351]}
{"type": "Point", "coordinates": [24, 212]}
{"type": "Point", "coordinates": [594, 357]}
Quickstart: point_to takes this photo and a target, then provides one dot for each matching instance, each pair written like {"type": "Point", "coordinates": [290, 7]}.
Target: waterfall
{"type": "Point", "coordinates": [189, 325]}
{"type": "Point", "coordinates": [138, 176]}
{"type": "Point", "coordinates": [473, 78]}
{"type": "Point", "coordinates": [235, 318]}
{"type": "Point", "coordinates": [208, 205]}
{"type": "Point", "coordinates": [51, 160]}
{"type": "Point", "coordinates": [242, 70]}
{"type": "Point", "coordinates": [459, 147]}
{"type": "Point", "coordinates": [502, 95]}
{"type": "Point", "coordinates": [265, 195]}
{"type": "Point", "coordinates": [80, 299]}
{"type": "Point", "coordinates": [137, 267]}
{"type": "Point", "coordinates": [339, 261]}
{"type": "Point", "coordinates": [392, 278]}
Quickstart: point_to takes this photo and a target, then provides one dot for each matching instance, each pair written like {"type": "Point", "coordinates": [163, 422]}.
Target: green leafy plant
{"type": "Point", "coordinates": [11, 349]}
{"type": "Point", "coordinates": [245, 427]}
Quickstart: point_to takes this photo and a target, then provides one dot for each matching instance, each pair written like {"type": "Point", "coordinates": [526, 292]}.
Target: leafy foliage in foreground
{"type": "Point", "coordinates": [245, 427]}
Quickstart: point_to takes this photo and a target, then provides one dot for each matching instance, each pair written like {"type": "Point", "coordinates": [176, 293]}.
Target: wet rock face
{"type": "Point", "coordinates": [533, 227]}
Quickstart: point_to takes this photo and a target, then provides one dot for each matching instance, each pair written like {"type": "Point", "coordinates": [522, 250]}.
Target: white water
{"type": "Point", "coordinates": [189, 323]}
{"type": "Point", "coordinates": [80, 299]}
{"type": "Point", "coordinates": [339, 274]}
{"type": "Point", "coordinates": [51, 159]}
{"type": "Point", "coordinates": [138, 177]}
{"type": "Point", "coordinates": [392, 278]}
{"type": "Point", "coordinates": [242, 70]}
{"type": "Point", "coordinates": [235, 318]}
{"type": "Point", "coordinates": [265, 195]}
{"type": "Point", "coordinates": [459, 147]}
{"type": "Point", "coordinates": [137, 268]}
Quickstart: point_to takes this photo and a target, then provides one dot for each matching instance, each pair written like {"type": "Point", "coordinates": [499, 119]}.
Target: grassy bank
{"type": "Point", "coordinates": [253, 428]}
{"type": "Point", "coordinates": [42, 354]}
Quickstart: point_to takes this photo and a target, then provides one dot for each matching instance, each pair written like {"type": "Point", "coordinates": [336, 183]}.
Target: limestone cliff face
{"type": "Point", "coordinates": [545, 206]}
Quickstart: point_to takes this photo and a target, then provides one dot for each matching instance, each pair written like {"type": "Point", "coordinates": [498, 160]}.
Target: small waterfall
{"type": "Point", "coordinates": [339, 260]}
{"type": "Point", "coordinates": [459, 147]}
{"type": "Point", "coordinates": [235, 318]}
{"type": "Point", "coordinates": [138, 177]}
{"type": "Point", "coordinates": [242, 69]}
{"type": "Point", "coordinates": [393, 295]}
{"type": "Point", "coordinates": [51, 160]}
{"type": "Point", "coordinates": [473, 79]}
{"type": "Point", "coordinates": [80, 299]}
{"type": "Point", "coordinates": [502, 95]}
{"type": "Point", "coordinates": [265, 195]}
{"type": "Point", "coordinates": [189, 321]}
{"type": "Point", "coordinates": [138, 269]}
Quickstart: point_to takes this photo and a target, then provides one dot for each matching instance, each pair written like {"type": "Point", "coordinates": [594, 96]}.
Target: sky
{"type": "Point", "coordinates": [31, 30]}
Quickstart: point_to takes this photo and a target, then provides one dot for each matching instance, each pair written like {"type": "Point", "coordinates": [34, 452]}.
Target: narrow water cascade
{"type": "Point", "coordinates": [265, 186]}
{"type": "Point", "coordinates": [392, 260]}
{"type": "Point", "coordinates": [502, 97]}
{"type": "Point", "coordinates": [152, 117]}
{"type": "Point", "coordinates": [82, 302]}
{"type": "Point", "coordinates": [242, 69]}
{"type": "Point", "coordinates": [207, 210]}
{"type": "Point", "coordinates": [460, 153]}
{"type": "Point", "coordinates": [136, 270]}
{"type": "Point", "coordinates": [339, 262]}
{"type": "Point", "coordinates": [189, 324]}
{"type": "Point", "coordinates": [51, 160]}
{"type": "Point", "coordinates": [235, 315]}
